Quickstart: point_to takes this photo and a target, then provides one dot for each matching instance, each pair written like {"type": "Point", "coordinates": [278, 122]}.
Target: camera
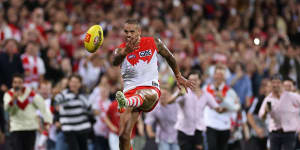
{"type": "Point", "coordinates": [256, 41]}
{"type": "Point", "coordinates": [17, 88]}
{"type": "Point", "coordinates": [269, 106]}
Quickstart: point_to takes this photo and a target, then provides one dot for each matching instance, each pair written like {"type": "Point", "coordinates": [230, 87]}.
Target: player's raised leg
{"type": "Point", "coordinates": [133, 101]}
{"type": "Point", "coordinates": [143, 99]}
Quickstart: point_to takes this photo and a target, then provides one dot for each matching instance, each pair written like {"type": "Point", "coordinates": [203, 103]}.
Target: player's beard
{"type": "Point", "coordinates": [127, 39]}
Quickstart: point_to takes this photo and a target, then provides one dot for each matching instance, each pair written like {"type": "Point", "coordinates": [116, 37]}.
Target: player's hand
{"type": "Point", "coordinates": [220, 109]}
{"type": "Point", "coordinates": [96, 112]}
{"type": "Point", "coordinates": [17, 94]}
{"type": "Point", "coordinates": [267, 109]}
{"type": "Point", "coordinates": [40, 130]}
{"type": "Point", "coordinates": [47, 126]}
{"type": "Point", "coordinates": [57, 124]}
{"type": "Point", "coordinates": [132, 45]}
{"type": "Point", "coordinates": [199, 147]}
{"type": "Point", "coordinates": [184, 83]}
{"type": "Point", "coordinates": [114, 129]}
{"type": "Point", "coordinates": [56, 90]}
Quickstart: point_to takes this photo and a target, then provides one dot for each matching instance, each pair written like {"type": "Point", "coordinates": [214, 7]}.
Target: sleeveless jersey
{"type": "Point", "coordinates": [139, 67]}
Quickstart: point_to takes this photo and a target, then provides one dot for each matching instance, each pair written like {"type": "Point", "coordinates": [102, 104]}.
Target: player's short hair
{"type": "Point", "coordinates": [18, 75]}
{"type": "Point", "coordinates": [220, 67]}
{"type": "Point", "coordinates": [76, 76]}
{"type": "Point", "coordinates": [277, 77]}
{"type": "Point", "coordinates": [133, 21]}
{"type": "Point", "coordinates": [290, 80]}
{"type": "Point", "coordinates": [11, 40]}
{"type": "Point", "coordinates": [33, 43]}
{"type": "Point", "coordinates": [45, 82]}
{"type": "Point", "coordinates": [196, 72]}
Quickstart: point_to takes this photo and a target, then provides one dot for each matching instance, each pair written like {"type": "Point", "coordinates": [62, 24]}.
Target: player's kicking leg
{"type": "Point", "coordinates": [144, 100]}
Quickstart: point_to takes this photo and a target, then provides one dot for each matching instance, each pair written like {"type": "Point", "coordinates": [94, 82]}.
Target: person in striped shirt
{"type": "Point", "coordinates": [73, 114]}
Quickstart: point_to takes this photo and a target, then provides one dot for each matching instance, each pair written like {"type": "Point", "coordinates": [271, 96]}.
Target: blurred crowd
{"type": "Point", "coordinates": [43, 40]}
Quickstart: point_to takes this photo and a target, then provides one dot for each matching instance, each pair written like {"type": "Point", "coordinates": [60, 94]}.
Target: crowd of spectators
{"type": "Point", "coordinates": [43, 40]}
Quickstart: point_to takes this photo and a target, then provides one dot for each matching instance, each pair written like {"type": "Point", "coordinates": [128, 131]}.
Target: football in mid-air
{"type": "Point", "coordinates": [93, 38]}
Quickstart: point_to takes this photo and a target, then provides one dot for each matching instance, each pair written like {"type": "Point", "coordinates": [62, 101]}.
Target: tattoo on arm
{"type": "Point", "coordinates": [118, 57]}
{"type": "Point", "coordinates": [165, 52]}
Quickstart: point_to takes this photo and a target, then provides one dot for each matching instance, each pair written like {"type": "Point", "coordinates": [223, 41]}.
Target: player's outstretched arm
{"type": "Point", "coordinates": [119, 55]}
{"type": "Point", "coordinates": [165, 52]}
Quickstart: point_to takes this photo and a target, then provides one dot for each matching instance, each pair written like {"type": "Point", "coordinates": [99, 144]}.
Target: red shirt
{"type": "Point", "coordinates": [114, 116]}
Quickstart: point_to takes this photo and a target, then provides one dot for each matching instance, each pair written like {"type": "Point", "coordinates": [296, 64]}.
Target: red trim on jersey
{"type": "Point", "coordinates": [25, 61]}
{"type": "Point", "coordinates": [31, 67]}
{"type": "Point", "coordinates": [251, 100]}
{"type": "Point", "coordinates": [2, 36]}
{"type": "Point", "coordinates": [102, 109]}
{"type": "Point", "coordinates": [237, 122]}
{"type": "Point", "coordinates": [45, 132]}
{"type": "Point", "coordinates": [212, 92]}
{"type": "Point", "coordinates": [52, 109]}
{"type": "Point", "coordinates": [23, 104]}
{"type": "Point", "coordinates": [32, 93]}
{"type": "Point", "coordinates": [145, 52]}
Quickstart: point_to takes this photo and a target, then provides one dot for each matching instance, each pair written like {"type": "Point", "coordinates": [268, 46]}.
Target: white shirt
{"type": "Point", "coordinates": [52, 129]}
{"type": "Point", "coordinates": [237, 121]}
{"type": "Point", "coordinates": [36, 67]}
{"type": "Point", "coordinates": [5, 30]}
{"type": "Point", "coordinates": [285, 111]}
{"type": "Point", "coordinates": [23, 112]}
{"type": "Point", "coordinates": [90, 74]}
{"type": "Point", "coordinates": [190, 111]}
{"type": "Point", "coordinates": [100, 128]}
{"type": "Point", "coordinates": [221, 121]}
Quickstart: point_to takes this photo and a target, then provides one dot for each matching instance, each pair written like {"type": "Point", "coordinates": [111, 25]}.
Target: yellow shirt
{"type": "Point", "coordinates": [22, 113]}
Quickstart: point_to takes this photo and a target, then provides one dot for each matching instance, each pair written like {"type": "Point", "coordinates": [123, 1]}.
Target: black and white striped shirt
{"type": "Point", "coordinates": [256, 104]}
{"type": "Point", "coordinates": [73, 111]}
